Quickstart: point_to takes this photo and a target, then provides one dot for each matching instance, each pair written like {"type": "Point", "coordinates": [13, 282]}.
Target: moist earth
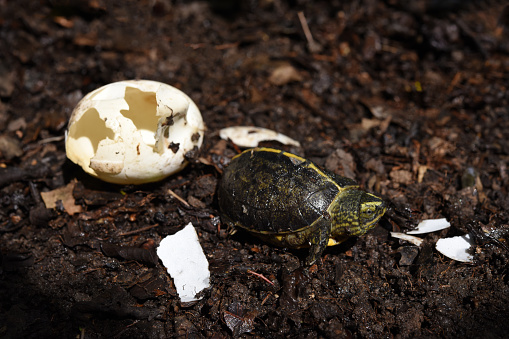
{"type": "Point", "coordinates": [410, 99]}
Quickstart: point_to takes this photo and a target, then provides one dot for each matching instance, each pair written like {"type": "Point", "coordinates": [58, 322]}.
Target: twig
{"type": "Point", "coordinates": [176, 196]}
{"type": "Point", "coordinates": [305, 28]}
{"type": "Point", "coordinates": [138, 230]}
{"type": "Point", "coordinates": [266, 298]}
{"type": "Point", "coordinates": [454, 82]}
{"type": "Point", "coordinates": [261, 276]}
{"type": "Point", "coordinates": [312, 45]}
{"type": "Point", "coordinates": [47, 140]}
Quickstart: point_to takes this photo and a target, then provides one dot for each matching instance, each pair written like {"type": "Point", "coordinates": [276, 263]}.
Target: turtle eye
{"type": "Point", "coordinates": [368, 213]}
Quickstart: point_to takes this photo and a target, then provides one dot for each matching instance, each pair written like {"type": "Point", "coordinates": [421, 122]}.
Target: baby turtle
{"type": "Point", "coordinates": [289, 201]}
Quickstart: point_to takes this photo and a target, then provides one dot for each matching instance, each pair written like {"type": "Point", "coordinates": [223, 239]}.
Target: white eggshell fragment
{"type": "Point", "coordinates": [410, 238]}
{"type": "Point", "coordinates": [430, 225]}
{"type": "Point", "coordinates": [134, 131]}
{"type": "Point", "coordinates": [456, 248]}
{"type": "Point", "coordinates": [183, 257]}
{"type": "Point", "coordinates": [249, 136]}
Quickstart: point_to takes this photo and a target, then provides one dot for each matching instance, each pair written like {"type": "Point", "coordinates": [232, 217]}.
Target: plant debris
{"type": "Point", "coordinates": [64, 195]}
{"type": "Point", "coordinates": [239, 320]}
{"type": "Point", "coordinates": [408, 98]}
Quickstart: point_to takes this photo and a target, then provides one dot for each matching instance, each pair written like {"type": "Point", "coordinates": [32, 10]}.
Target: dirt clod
{"type": "Point", "coordinates": [407, 98]}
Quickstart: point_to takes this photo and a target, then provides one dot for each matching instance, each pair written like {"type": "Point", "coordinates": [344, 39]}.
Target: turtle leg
{"type": "Point", "coordinates": [230, 224]}
{"type": "Point", "coordinates": [319, 240]}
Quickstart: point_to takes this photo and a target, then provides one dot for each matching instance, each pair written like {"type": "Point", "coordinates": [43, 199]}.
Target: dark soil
{"type": "Point", "coordinates": [410, 98]}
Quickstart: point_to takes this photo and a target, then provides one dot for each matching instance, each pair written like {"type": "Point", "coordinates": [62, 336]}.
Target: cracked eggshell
{"type": "Point", "coordinates": [183, 257]}
{"type": "Point", "coordinates": [134, 131]}
{"type": "Point", "coordinates": [457, 248]}
{"type": "Point", "coordinates": [251, 136]}
{"type": "Point", "coordinates": [410, 238]}
{"type": "Point", "coordinates": [430, 225]}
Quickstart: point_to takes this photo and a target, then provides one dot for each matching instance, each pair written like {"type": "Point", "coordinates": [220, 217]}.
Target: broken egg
{"type": "Point", "coordinates": [134, 131]}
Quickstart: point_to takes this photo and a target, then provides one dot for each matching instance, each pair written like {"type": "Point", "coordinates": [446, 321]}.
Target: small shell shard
{"type": "Point", "coordinates": [410, 238]}
{"type": "Point", "coordinates": [182, 255]}
{"type": "Point", "coordinates": [109, 157]}
{"type": "Point", "coordinates": [456, 248]}
{"type": "Point", "coordinates": [430, 225]}
{"type": "Point", "coordinates": [250, 136]}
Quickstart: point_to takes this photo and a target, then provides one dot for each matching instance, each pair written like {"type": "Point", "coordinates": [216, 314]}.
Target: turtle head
{"type": "Point", "coordinates": [371, 209]}
{"type": "Point", "coordinates": [354, 212]}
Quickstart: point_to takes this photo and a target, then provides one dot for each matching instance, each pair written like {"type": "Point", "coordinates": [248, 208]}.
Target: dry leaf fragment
{"type": "Point", "coordinates": [63, 194]}
{"type": "Point", "coordinates": [341, 162]}
{"type": "Point", "coordinates": [10, 147]}
{"type": "Point", "coordinates": [144, 255]}
{"type": "Point", "coordinates": [421, 171]}
{"type": "Point", "coordinates": [401, 176]}
{"type": "Point", "coordinates": [238, 320]}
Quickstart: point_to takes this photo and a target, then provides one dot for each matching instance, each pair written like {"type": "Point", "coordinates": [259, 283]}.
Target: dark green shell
{"type": "Point", "coordinates": [289, 201]}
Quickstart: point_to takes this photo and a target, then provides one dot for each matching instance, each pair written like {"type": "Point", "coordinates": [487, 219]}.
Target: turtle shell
{"type": "Point", "coordinates": [270, 191]}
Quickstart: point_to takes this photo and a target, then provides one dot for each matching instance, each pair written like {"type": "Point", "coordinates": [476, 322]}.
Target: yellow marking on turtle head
{"type": "Point", "coordinates": [371, 210]}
